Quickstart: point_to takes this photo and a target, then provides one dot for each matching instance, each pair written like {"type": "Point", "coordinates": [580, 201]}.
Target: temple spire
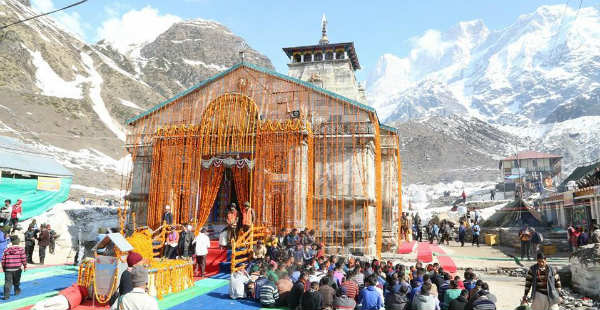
{"type": "Point", "coordinates": [324, 39]}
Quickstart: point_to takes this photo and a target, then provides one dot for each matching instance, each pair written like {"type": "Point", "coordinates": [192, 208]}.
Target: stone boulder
{"type": "Point", "coordinates": [585, 270]}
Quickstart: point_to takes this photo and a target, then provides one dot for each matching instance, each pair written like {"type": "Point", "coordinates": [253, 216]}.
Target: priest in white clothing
{"type": "Point", "coordinates": [202, 243]}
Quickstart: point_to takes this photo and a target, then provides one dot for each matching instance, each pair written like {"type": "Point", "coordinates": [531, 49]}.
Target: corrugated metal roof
{"type": "Point", "coordinates": [532, 155]}
{"type": "Point", "coordinates": [20, 158]}
{"type": "Point", "coordinates": [257, 68]}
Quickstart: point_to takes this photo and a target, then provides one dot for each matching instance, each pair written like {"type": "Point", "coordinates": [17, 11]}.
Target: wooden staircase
{"type": "Point", "coordinates": [241, 247]}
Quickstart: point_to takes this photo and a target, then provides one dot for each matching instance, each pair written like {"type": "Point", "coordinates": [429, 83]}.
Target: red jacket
{"type": "Point", "coordinates": [16, 209]}
{"type": "Point", "coordinates": [13, 258]}
{"type": "Point", "coordinates": [74, 294]}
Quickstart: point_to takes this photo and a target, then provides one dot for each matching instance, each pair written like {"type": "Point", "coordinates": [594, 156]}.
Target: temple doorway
{"type": "Point", "coordinates": [225, 197]}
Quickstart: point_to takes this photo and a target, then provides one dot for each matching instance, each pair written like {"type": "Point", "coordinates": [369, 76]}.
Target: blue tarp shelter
{"type": "Point", "coordinates": [36, 178]}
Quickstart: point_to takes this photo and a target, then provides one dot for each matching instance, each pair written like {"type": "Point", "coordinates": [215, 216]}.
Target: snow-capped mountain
{"type": "Point", "coordinates": [528, 71]}
{"type": "Point", "coordinates": [538, 78]}
{"type": "Point", "coordinates": [70, 99]}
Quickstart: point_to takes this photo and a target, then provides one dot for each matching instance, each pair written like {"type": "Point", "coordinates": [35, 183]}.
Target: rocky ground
{"type": "Point", "coordinates": [505, 277]}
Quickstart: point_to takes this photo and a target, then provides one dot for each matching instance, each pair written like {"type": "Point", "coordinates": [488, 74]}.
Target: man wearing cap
{"type": "Point", "coordinates": [185, 242]}
{"type": "Point", "coordinates": [12, 260]}
{"type": "Point", "coordinates": [167, 216]}
{"type": "Point", "coordinates": [137, 299]}
{"type": "Point", "coordinates": [43, 242]}
{"type": "Point", "coordinates": [232, 221]}
{"type": "Point", "coordinates": [202, 243]}
{"type": "Point", "coordinates": [134, 260]}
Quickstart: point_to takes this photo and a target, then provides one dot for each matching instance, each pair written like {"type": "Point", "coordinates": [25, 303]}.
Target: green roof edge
{"type": "Point", "coordinates": [388, 127]}
{"type": "Point", "coordinates": [260, 69]}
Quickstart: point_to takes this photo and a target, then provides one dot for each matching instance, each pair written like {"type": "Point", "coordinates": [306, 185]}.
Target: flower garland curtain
{"type": "Point", "coordinates": [210, 181]}
{"type": "Point", "coordinates": [241, 179]}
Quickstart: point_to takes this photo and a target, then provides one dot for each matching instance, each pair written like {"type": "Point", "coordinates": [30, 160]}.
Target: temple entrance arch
{"type": "Point", "coordinates": [189, 161]}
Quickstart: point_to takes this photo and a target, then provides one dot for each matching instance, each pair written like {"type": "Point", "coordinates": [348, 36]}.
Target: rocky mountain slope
{"type": "Point", "coordinates": [188, 52]}
{"type": "Point", "coordinates": [71, 99]}
{"type": "Point", "coordinates": [537, 81]}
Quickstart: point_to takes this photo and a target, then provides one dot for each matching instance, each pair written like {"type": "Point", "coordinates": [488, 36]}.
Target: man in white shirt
{"type": "Point", "coordinates": [137, 299]}
{"type": "Point", "coordinates": [202, 243]}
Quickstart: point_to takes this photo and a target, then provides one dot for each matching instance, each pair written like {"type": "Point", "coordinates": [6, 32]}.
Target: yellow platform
{"type": "Point", "coordinates": [491, 239]}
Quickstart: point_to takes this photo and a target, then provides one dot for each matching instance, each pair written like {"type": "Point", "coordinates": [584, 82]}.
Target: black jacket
{"type": "Point", "coordinates": [30, 238]}
{"type": "Point", "coordinates": [311, 300]}
{"type": "Point", "coordinates": [459, 303]}
{"type": "Point", "coordinates": [396, 301]}
{"type": "Point", "coordinates": [296, 295]}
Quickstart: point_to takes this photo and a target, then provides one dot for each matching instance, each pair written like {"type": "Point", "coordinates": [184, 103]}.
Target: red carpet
{"type": "Point", "coordinates": [445, 261]}
{"type": "Point", "coordinates": [215, 256]}
{"type": "Point", "coordinates": [406, 247]}
{"type": "Point", "coordinates": [424, 253]}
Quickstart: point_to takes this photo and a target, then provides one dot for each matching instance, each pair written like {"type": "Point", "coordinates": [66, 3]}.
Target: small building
{"type": "Point", "coordinates": [534, 170]}
{"type": "Point", "coordinates": [32, 176]}
{"type": "Point", "coordinates": [579, 206]}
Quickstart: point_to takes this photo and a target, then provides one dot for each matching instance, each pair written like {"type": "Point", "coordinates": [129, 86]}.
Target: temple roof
{"type": "Point", "coordinates": [157, 107]}
{"type": "Point", "coordinates": [347, 46]}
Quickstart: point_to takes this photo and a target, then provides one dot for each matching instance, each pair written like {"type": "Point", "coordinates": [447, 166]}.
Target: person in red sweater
{"type": "Point", "coordinates": [12, 260]}
{"type": "Point", "coordinates": [15, 214]}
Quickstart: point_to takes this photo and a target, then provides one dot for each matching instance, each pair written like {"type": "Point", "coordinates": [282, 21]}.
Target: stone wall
{"type": "Point", "coordinates": [585, 270]}
{"type": "Point", "coordinates": [335, 75]}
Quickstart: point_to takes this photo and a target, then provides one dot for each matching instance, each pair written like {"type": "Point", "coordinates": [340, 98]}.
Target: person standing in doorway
{"type": "Point", "coordinates": [202, 243]}
{"type": "Point", "coordinates": [167, 216]}
{"type": "Point", "coordinates": [525, 237]}
{"type": "Point", "coordinates": [29, 243]}
{"type": "Point", "coordinates": [43, 242]}
{"type": "Point", "coordinates": [53, 237]}
{"type": "Point", "coordinates": [544, 283]}
{"type": "Point", "coordinates": [247, 216]}
{"type": "Point", "coordinates": [14, 257]}
{"type": "Point", "coordinates": [232, 221]}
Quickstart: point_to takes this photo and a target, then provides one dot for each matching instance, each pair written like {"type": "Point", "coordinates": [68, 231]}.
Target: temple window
{"type": "Point", "coordinates": [318, 57]}
{"type": "Point", "coordinates": [329, 56]}
{"type": "Point", "coordinates": [297, 58]}
{"type": "Point", "coordinates": [307, 57]}
{"type": "Point", "coordinates": [339, 55]}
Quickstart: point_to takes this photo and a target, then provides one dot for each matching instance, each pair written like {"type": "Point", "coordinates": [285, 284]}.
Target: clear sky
{"type": "Point", "coordinates": [376, 27]}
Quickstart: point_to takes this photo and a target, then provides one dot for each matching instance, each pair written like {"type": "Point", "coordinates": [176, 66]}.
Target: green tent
{"type": "Point", "coordinates": [36, 178]}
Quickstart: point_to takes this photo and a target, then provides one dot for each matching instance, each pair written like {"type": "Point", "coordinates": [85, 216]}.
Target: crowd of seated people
{"type": "Point", "coordinates": [290, 271]}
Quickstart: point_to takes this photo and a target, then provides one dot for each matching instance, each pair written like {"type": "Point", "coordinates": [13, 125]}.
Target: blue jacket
{"type": "Point", "coordinates": [370, 299]}
{"type": "Point", "coordinates": [3, 243]}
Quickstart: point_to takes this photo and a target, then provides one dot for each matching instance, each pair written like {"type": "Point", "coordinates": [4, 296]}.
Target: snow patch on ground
{"type": "Point", "coordinates": [130, 104]}
{"type": "Point", "coordinates": [98, 103]}
{"type": "Point", "coordinates": [66, 218]}
{"type": "Point", "coordinates": [423, 194]}
{"type": "Point", "coordinates": [201, 63]}
{"type": "Point", "coordinates": [85, 159]}
{"type": "Point", "coordinates": [51, 83]}
{"type": "Point", "coordinates": [98, 191]}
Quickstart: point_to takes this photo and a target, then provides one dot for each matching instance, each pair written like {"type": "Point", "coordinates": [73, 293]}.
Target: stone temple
{"type": "Point", "coordinates": [303, 150]}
